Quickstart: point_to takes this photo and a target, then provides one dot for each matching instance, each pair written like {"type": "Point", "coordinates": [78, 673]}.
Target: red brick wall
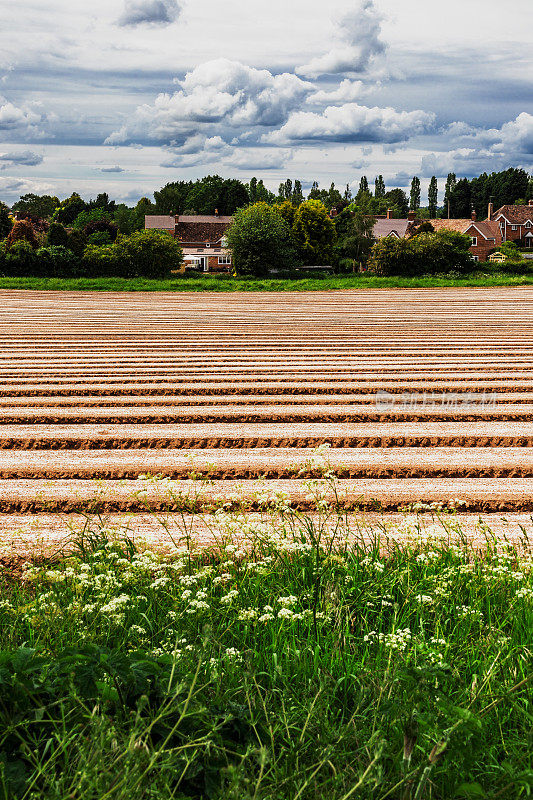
{"type": "Point", "coordinates": [214, 266]}
{"type": "Point", "coordinates": [484, 247]}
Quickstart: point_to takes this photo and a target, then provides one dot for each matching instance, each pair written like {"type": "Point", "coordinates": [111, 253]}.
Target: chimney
{"type": "Point", "coordinates": [490, 211]}
{"type": "Point", "coordinates": [530, 203]}
{"type": "Point", "coordinates": [411, 215]}
{"type": "Point", "coordinates": [389, 213]}
{"type": "Point", "coordinates": [216, 212]}
{"type": "Point", "coordinates": [474, 216]}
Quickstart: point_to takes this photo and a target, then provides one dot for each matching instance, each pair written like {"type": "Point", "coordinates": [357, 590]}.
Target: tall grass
{"type": "Point", "coordinates": [227, 283]}
{"type": "Point", "coordinates": [294, 664]}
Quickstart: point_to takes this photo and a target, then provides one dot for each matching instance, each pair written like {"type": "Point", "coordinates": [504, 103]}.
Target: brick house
{"type": "Point", "coordinates": [485, 235]}
{"type": "Point", "coordinates": [202, 239]}
{"type": "Point", "coordinates": [515, 223]}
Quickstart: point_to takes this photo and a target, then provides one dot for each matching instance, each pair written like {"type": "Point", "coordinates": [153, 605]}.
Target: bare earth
{"type": "Point", "coordinates": [97, 389]}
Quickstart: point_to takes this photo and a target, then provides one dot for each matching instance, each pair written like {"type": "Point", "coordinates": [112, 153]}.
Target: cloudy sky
{"type": "Point", "coordinates": [126, 95]}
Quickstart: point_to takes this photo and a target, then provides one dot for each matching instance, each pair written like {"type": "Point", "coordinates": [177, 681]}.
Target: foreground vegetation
{"type": "Point", "coordinates": [287, 668]}
{"type": "Point", "coordinates": [228, 283]}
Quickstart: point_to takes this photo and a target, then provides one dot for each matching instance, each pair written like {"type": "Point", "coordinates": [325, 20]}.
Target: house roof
{"type": "Point", "coordinates": [161, 222]}
{"type": "Point", "coordinates": [458, 225]}
{"type": "Point", "coordinates": [388, 227]}
{"type": "Point", "coordinates": [517, 215]}
{"type": "Point", "coordinates": [202, 229]}
{"type": "Point", "coordinates": [206, 218]}
{"type": "Point", "coordinates": [488, 228]}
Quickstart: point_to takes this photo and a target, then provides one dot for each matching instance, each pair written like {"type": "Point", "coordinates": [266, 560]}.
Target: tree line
{"type": "Point", "coordinates": [226, 195]}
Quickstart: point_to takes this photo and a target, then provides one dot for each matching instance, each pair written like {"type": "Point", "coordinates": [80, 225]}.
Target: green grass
{"type": "Point", "coordinates": [231, 284]}
{"type": "Point", "coordinates": [289, 670]}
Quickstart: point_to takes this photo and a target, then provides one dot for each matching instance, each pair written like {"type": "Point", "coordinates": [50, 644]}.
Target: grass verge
{"type": "Point", "coordinates": [230, 284]}
{"type": "Point", "coordinates": [297, 667]}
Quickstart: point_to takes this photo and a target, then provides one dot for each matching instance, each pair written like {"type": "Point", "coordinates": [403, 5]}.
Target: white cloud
{"type": "Point", "coordinates": [259, 159]}
{"type": "Point", "coordinates": [149, 12]}
{"type": "Point", "coordinates": [517, 136]}
{"type": "Point", "coordinates": [219, 91]}
{"type": "Point", "coordinates": [25, 118]}
{"type": "Point", "coordinates": [24, 158]}
{"type": "Point", "coordinates": [13, 188]}
{"type": "Point", "coordinates": [116, 168]}
{"type": "Point", "coordinates": [346, 92]}
{"type": "Point", "coordinates": [461, 161]}
{"type": "Point", "coordinates": [352, 123]}
{"type": "Point", "coordinates": [359, 31]}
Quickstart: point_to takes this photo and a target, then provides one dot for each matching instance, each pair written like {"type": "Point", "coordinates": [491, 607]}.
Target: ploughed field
{"type": "Point", "coordinates": [412, 397]}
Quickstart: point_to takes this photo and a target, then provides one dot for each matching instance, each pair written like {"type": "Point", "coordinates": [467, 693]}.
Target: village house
{"type": "Point", "coordinates": [202, 239]}
{"type": "Point", "coordinates": [515, 223]}
{"type": "Point", "coordinates": [485, 235]}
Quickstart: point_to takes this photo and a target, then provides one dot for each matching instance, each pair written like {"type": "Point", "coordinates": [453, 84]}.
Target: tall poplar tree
{"type": "Point", "coordinates": [415, 194]}
{"type": "Point", "coordinates": [451, 183]}
{"type": "Point", "coordinates": [433, 195]}
{"type": "Point", "coordinates": [379, 187]}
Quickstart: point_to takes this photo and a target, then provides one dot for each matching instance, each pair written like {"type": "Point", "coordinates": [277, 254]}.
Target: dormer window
{"type": "Point", "coordinates": [528, 224]}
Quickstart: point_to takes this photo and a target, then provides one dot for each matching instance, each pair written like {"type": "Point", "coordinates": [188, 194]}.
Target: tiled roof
{"type": "Point", "coordinates": [188, 230]}
{"type": "Point", "coordinates": [386, 227]}
{"type": "Point", "coordinates": [488, 228]}
{"type": "Point", "coordinates": [458, 225]}
{"type": "Point", "coordinates": [518, 215]}
{"type": "Point", "coordinates": [162, 222]}
{"type": "Point", "coordinates": [200, 218]}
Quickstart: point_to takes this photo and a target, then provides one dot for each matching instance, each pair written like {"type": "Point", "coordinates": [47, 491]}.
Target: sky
{"type": "Point", "coordinates": [124, 96]}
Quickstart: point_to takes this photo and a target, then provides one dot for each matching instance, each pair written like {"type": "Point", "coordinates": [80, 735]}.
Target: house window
{"type": "Point", "coordinates": [513, 228]}
{"type": "Point", "coordinates": [474, 241]}
{"type": "Point", "coordinates": [528, 224]}
{"type": "Point", "coordinates": [475, 258]}
{"type": "Point", "coordinates": [224, 259]}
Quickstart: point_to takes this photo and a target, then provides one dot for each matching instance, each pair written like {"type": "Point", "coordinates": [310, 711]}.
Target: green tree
{"type": "Point", "coordinates": [287, 210]}
{"type": "Point", "coordinates": [170, 199]}
{"type": "Point", "coordinates": [69, 209]}
{"type": "Point", "coordinates": [461, 200]}
{"type": "Point", "coordinates": [95, 214]}
{"type": "Point", "coordinates": [124, 219]}
{"type": "Point", "coordinates": [415, 194]}
{"type": "Point", "coordinates": [314, 233]}
{"type": "Point", "coordinates": [102, 201]}
{"type": "Point", "coordinates": [451, 182]}
{"type": "Point", "coordinates": [511, 250]}
{"type": "Point", "coordinates": [149, 254]}
{"type": "Point", "coordinates": [56, 236]}
{"type": "Point", "coordinates": [297, 194]}
{"type": "Point", "coordinates": [398, 202]}
{"type": "Point", "coordinates": [380, 189]}
{"type": "Point", "coordinates": [143, 209]}
{"type": "Point", "coordinates": [433, 195]}
{"type": "Point", "coordinates": [261, 240]}
{"type": "Point", "coordinates": [5, 221]}
{"type": "Point", "coordinates": [77, 242]}
{"type": "Point", "coordinates": [363, 185]}
{"type": "Point", "coordinates": [38, 206]}
{"type": "Point", "coordinates": [427, 253]}
{"type": "Point", "coordinates": [314, 193]}
{"type": "Point", "coordinates": [334, 198]}
{"type": "Point", "coordinates": [264, 194]}
{"type": "Point", "coordinates": [252, 190]}
{"type": "Point", "coordinates": [355, 236]}
{"type": "Point", "coordinates": [347, 193]}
